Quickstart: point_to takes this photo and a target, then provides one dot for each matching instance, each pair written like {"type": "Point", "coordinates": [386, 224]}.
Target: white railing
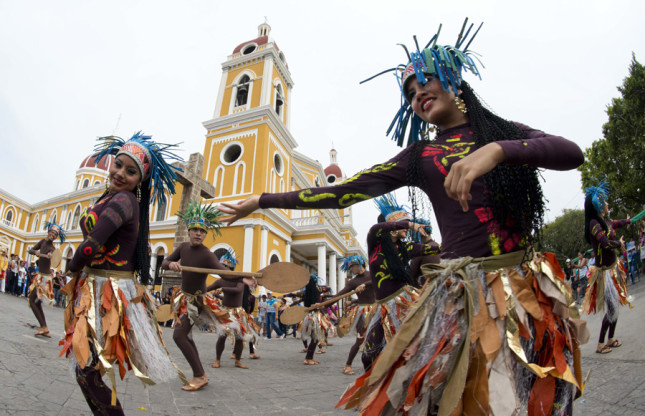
{"type": "Point", "coordinates": [7, 222]}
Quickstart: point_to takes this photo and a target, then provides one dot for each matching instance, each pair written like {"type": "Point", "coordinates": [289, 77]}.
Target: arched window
{"type": "Point", "coordinates": [161, 211]}
{"type": "Point", "coordinates": [274, 259]}
{"type": "Point", "coordinates": [8, 218]}
{"type": "Point", "coordinates": [34, 227]}
{"type": "Point", "coordinates": [77, 215]}
{"type": "Point", "coordinates": [69, 224]}
{"type": "Point", "coordinates": [242, 91]}
{"type": "Point", "coordinates": [97, 183]}
{"type": "Point", "coordinates": [53, 218]}
{"type": "Point", "coordinates": [240, 173]}
{"type": "Point", "coordinates": [86, 183]}
{"type": "Point", "coordinates": [279, 99]}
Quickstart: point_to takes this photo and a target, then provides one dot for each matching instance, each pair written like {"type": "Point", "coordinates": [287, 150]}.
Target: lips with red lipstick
{"type": "Point", "coordinates": [117, 182]}
{"type": "Point", "coordinates": [427, 103]}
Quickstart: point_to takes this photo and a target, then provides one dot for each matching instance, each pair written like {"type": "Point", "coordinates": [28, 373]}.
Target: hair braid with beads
{"type": "Point", "coordinates": [513, 192]}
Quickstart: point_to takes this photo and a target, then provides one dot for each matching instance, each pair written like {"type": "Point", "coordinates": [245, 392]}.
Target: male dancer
{"type": "Point", "coordinates": [42, 283]}
{"type": "Point", "coordinates": [191, 303]}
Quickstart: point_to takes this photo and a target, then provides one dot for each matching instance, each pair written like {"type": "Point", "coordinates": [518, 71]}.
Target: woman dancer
{"type": "Point", "coordinates": [607, 284]}
{"type": "Point", "coordinates": [480, 174]}
{"type": "Point", "coordinates": [109, 321]}
{"type": "Point", "coordinates": [42, 285]}
{"type": "Point", "coordinates": [191, 304]}
{"type": "Point", "coordinates": [314, 326]}
{"type": "Point", "coordinates": [359, 312]}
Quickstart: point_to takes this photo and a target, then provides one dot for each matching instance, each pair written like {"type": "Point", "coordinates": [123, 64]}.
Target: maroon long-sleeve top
{"type": "Point", "coordinates": [604, 243]}
{"type": "Point", "coordinates": [110, 229]}
{"type": "Point", "coordinates": [474, 233]}
{"type": "Point", "coordinates": [45, 246]}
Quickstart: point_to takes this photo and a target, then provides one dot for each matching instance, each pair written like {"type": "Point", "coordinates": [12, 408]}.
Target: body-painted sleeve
{"type": "Point", "coordinates": [542, 150]}
{"type": "Point", "coordinates": [599, 234]}
{"type": "Point", "coordinates": [418, 249]}
{"type": "Point", "coordinates": [377, 180]}
{"type": "Point", "coordinates": [118, 211]}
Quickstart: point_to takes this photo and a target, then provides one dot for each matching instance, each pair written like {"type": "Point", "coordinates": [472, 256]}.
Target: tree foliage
{"type": "Point", "coordinates": [619, 157]}
{"type": "Point", "coordinates": [565, 235]}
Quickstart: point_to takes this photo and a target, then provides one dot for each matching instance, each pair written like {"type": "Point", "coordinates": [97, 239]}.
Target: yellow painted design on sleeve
{"type": "Point", "coordinates": [375, 169]}
{"type": "Point", "coordinates": [494, 244]}
{"type": "Point", "coordinates": [304, 196]}
{"type": "Point", "coordinates": [350, 199]}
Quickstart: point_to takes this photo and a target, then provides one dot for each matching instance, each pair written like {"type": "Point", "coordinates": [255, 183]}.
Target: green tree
{"type": "Point", "coordinates": [565, 235]}
{"type": "Point", "coordinates": [619, 157]}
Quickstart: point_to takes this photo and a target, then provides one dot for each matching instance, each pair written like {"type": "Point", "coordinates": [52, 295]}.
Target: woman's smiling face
{"type": "Point", "coordinates": [124, 174]}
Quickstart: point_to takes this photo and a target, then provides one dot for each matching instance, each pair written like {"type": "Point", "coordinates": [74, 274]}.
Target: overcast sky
{"type": "Point", "coordinates": [74, 70]}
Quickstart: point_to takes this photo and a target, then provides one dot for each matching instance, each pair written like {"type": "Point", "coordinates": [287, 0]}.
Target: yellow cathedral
{"type": "Point", "coordinates": [248, 150]}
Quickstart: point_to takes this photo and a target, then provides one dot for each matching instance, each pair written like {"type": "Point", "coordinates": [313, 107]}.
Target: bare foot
{"type": "Point", "coordinates": [44, 331]}
{"type": "Point", "coordinates": [216, 364]}
{"type": "Point", "coordinates": [232, 356]}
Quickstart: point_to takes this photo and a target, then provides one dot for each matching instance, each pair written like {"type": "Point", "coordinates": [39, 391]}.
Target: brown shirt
{"type": "Point", "coordinates": [45, 246]}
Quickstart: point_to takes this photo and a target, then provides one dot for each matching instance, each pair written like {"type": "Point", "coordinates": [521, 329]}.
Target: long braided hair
{"type": "Point", "coordinates": [592, 214]}
{"type": "Point", "coordinates": [396, 255]}
{"type": "Point", "coordinates": [513, 192]}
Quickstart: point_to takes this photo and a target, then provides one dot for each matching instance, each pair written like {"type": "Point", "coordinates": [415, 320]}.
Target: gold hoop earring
{"type": "Point", "coordinates": [430, 129]}
{"type": "Point", "coordinates": [138, 193]}
{"type": "Point", "coordinates": [461, 105]}
{"type": "Point", "coordinates": [107, 185]}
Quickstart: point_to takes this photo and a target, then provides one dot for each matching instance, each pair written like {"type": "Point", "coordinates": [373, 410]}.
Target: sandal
{"type": "Point", "coordinates": [239, 364]}
{"type": "Point", "coordinates": [614, 344]}
{"type": "Point", "coordinates": [194, 386]}
{"type": "Point", "coordinates": [43, 333]}
{"type": "Point", "coordinates": [304, 350]}
{"type": "Point", "coordinates": [603, 350]}
{"type": "Point", "coordinates": [216, 364]}
{"type": "Point", "coordinates": [232, 356]}
{"type": "Point", "coordinates": [254, 357]}
{"type": "Point", "coordinates": [311, 362]}
{"type": "Point", "coordinates": [348, 371]}
{"type": "Point", "coordinates": [320, 352]}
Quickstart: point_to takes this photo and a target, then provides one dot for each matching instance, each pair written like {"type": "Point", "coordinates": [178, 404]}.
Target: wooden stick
{"type": "Point", "coordinates": [219, 271]}
{"type": "Point", "coordinates": [332, 300]}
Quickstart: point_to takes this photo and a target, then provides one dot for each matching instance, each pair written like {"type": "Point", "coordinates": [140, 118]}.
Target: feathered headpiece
{"type": "Point", "coordinates": [51, 225]}
{"type": "Point", "coordinates": [229, 259]}
{"type": "Point", "coordinates": [443, 62]}
{"type": "Point", "coordinates": [352, 260]}
{"type": "Point", "coordinates": [599, 195]}
{"type": "Point", "coordinates": [149, 156]}
{"type": "Point", "coordinates": [204, 217]}
{"type": "Point", "coordinates": [390, 209]}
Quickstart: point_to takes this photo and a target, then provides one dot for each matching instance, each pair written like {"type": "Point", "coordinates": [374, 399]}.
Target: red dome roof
{"type": "Point", "coordinates": [333, 170]}
{"type": "Point", "coordinates": [90, 162]}
{"type": "Point", "coordinates": [262, 40]}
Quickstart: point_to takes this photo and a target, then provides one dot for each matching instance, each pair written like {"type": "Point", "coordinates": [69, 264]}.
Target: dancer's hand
{"type": "Point", "coordinates": [463, 173]}
{"type": "Point", "coordinates": [175, 266]}
{"type": "Point", "coordinates": [622, 243]}
{"type": "Point", "coordinates": [420, 228]}
{"type": "Point", "coordinates": [250, 282]}
{"type": "Point", "coordinates": [360, 288]}
{"type": "Point", "coordinates": [240, 210]}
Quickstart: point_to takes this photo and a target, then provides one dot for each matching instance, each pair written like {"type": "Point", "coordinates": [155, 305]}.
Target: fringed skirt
{"type": "Point", "coordinates": [238, 324]}
{"type": "Point", "coordinates": [607, 289]}
{"type": "Point", "coordinates": [356, 320]}
{"type": "Point", "coordinates": [43, 286]}
{"type": "Point", "coordinates": [315, 326]}
{"type": "Point", "coordinates": [202, 310]}
{"type": "Point", "coordinates": [110, 322]}
{"type": "Point", "coordinates": [483, 339]}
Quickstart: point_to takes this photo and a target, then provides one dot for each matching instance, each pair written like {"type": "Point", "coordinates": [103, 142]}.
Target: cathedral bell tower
{"type": "Point", "coordinates": [248, 143]}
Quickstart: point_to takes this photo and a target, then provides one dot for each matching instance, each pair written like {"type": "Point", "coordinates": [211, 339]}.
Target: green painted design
{"type": "Point", "coordinates": [350, 199]}
{"type": "Point", "coordinates": [375, 169]}
{"type": "Point", "coordinates": [305, 196]}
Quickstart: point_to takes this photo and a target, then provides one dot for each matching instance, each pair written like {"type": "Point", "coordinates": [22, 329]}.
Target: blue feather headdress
{"type": "Point", "coordinates": [149, 156]}
{"type": "Point", "coordinates": [599, 194]}
{"type": "Point", "coordinates": [390, 209]}
{"type": "Point", "coordinates": [229, 259]}
{"type": "Point", "coordinates": [443, 62]}
{"type": "Point", "coordinates": [352, 260]}
{"type": "Point", "coordinates": [51, 225]}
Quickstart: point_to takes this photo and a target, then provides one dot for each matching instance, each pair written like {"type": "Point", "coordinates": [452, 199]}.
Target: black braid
{"type": "Point", "coordinates": [141, 256]}
{"type": "Point", "coordinates": [312, 294]}
{"type": "Point", "coordinates": [397, 258]}
{"type": "Point", "coordinates": [512, 191]}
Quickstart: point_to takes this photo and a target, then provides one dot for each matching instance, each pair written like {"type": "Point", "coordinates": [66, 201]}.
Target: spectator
{"type": "Point", "coordinates": [272, 304]}
{"type": "Point", "coordinates": [31, 273]}
{"type": "Point", "coordinates": [262, 313]}
{"type": "Point", "coordinates": [22, 280]}
{"type": "Point", "coordinates": [56, 283]}
{"type": "Point", "coordinates": [582, 267]}
{"type": "Point", "coordinates": [12, 274]}
{"type": "Point", "coordinates": [4, 262]}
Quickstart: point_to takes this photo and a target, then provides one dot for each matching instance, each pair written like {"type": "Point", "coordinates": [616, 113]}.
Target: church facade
{"type": "Point", "coordinates": [248, 150]}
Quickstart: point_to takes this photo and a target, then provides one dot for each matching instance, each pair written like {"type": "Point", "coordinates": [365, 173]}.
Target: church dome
{"type": "Point", "coordinates": [90, 162]}
{"type": "Point", "coordinates": [333, 172]}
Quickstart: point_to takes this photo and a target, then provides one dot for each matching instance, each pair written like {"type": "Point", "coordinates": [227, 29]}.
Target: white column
{"type": "Point", "coordinates": [332, 272]}
{"type": "Point", "coordinates": [287, 252]}
{"type": "Point", "coordinates": [248, 248]}
{"type": "Point", "coordinates": [342, 276]}
{"type": "Point", "coordinates": [264, 235]}
{"type": "Point", "coordinates": [153, 265]}
{"type": "Point", "coordinates": [322, 262]}
{"type": "Point", "coordinates": [267, 82]}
